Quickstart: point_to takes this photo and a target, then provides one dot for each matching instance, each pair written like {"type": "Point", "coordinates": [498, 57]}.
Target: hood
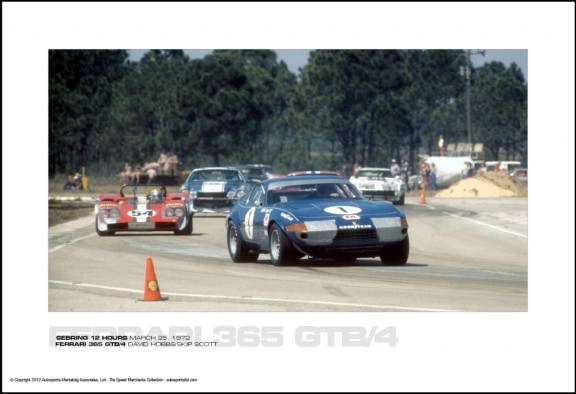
{"type": "Point", "coordinates": [337, 208]}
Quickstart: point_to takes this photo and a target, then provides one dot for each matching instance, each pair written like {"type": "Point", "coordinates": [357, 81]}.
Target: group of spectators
{"type": "Point", "coordinates": [166, 165]}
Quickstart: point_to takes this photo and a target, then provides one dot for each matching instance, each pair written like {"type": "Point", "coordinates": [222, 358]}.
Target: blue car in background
{"type": "Point", "coordinates": [321, 216]}
{"type": "Point", "coordinates": [215, 189]}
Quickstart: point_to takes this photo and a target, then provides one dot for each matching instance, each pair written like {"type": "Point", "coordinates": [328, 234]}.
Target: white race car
{"type": "Point", "coordinates": [380, 184]}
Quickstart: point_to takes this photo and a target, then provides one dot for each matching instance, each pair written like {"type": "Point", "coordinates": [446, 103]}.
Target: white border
{"type": "Point", "coordinates": [531, 351]}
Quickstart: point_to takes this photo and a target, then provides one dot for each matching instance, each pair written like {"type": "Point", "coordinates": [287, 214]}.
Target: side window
{"type": "Point", "coordinates": [255, 196]}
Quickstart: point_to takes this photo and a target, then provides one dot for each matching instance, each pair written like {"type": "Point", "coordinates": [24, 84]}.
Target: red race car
{"type": "Point", "coordinates": [144, 208]}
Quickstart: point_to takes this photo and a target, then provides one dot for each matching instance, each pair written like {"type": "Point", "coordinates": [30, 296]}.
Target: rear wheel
{"type": "Point", "coordinates": [281, 251]}
{"type": "Point", "coordinates": [238, 251]}
{"type": "Point", "coordinates": [397, 254]}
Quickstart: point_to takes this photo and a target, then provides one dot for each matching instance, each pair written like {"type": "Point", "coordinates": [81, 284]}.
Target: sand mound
{"type": "Point", "coordinates": [486, 184]}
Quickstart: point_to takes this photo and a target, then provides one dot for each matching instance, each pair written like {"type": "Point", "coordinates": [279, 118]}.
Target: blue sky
{"type": "Point", "coordinates": [296, 58]}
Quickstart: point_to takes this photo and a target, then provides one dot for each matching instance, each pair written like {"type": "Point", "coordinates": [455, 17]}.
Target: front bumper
{"type": "Point", "coordinates": [326, 239]}
{"type": "Point", "coordinates": [383, 195]}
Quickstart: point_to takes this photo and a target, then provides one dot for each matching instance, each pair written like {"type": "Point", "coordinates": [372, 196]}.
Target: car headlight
{"type": "Point", "coordinates": [193, 194]}
{"type": "Point", "coordinates": [179, 212]}
{"type": "Point", "coordinates": [235, 194]}
{"type": "Point", "coordinates": [114, 213]}
{"type": "Point", "coordinates": [110, 213]}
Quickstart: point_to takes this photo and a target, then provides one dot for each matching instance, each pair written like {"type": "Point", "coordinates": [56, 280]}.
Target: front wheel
{"type": "Point", "coordinates": [238, 251]}
{"type": "Point", "coordinates": [401, 201]}
{"type": "Point", "coordinates": [397, 254]}
{"type": "Point", "coordinates": [101, 228]}
{"type": "Point", "coordinates": [281, 251]}
{"type": "Point", "coordinates": [187, 230]}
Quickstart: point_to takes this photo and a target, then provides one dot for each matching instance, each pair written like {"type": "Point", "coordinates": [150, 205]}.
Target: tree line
{"type": "Point", "coordinates": [246, 106]}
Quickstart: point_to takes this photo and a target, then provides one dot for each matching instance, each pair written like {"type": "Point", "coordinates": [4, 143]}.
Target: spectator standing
{"type": "Point", "coordinates": [355, 169]}
{"type": "Point", "coordinates": [412, 181]}
{"type": "Point", "coordinates": [345, 172]}
{"type": "Point", "coordinates": [441, 145]}
{"type": "Point", "coordinates": [483, 167]}
{"type": "Point", "coordinates": [127, 172]}
{"type": "Point", "coordinates": [163, 162]}
{"type": "Point", "coordinates": [172, 162]}
{"type": "Point", "coordinates": [470, 170]}
{"type": "Point", "coordinates": [394, 168]}
{"type": "Point", "coordinates": [424, 175]}
{"type": "Point", "coordinates": [467, 171]}
{"type": "Point", "coordinates": [404, 170]}
{"type": "Point", "coordinates": [433, 176]}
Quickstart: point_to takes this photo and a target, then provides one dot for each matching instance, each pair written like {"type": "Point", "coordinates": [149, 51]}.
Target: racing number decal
{"type": "Point", "coordinates": [141, 212]}
{"type": "Point", "coordinates": [249, 223]}
{"type": "Point", "coordinates": [343, 210]}
{"type": "Point", "coordinates": [148, 213]}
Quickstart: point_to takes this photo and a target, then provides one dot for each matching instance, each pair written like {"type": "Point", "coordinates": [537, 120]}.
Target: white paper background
{"type": "Point", "coordinates": [531, 351]}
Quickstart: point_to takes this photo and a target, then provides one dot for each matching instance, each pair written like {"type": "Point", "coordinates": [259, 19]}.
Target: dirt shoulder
{"type": "Point", "coordinates": [486, 184]}
{"type": "Point", "coordinates": [61, 212]}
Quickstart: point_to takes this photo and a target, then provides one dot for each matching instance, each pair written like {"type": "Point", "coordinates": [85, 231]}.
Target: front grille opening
{"type": "Point", "coordinates": [356, 234]}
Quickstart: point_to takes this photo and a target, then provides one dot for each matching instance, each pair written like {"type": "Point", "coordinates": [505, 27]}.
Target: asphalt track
{"type": "Point", "coordinates": [466, 255]}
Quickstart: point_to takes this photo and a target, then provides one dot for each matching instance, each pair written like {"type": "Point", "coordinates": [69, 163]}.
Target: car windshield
{"type": "Point", "coordinates": [215, 176]}
{"type": "Point", "coordinates": [255, 173]}
{"type": "Point", "coordinates": [321, 189]}
{"type": "Point", "coordinates": [374, 174]}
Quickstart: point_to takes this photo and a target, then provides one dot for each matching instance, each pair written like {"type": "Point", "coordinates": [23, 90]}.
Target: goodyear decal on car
{"type": "Point", "coordinates": [355, 226]}
{"type": "Point", "coordinates": [343, 210]}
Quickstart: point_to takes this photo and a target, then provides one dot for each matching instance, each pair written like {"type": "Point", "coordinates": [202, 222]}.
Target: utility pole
{"type": "Point", "coordinates": [467, 72]}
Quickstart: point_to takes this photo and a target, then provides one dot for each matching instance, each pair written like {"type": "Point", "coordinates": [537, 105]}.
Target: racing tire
{"type": "Point", "coordinates": [189, 227]}
{"type": "Point", "coordinates": [237, 249]}
{"type": "Point", "coordinates": [102, 233]}
{"type": "Point", "coordinates": [397, 254]}
{"type": "Point", "coordinates": [401, 201]}
{"type": "Point", "coordinates": [281, 251]}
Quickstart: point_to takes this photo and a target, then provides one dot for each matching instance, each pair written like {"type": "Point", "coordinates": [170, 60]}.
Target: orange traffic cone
{"type": "Point", "coordinates": [151, 288]}
{"type": "Point", "coordinates": [423, 196]}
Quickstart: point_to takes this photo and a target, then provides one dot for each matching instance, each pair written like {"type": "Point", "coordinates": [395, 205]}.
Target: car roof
{"type": "Point", "coordinates": [305, 178]}
{"type": "Point", "coordinates": [253, 166]}
{"type": "Point", "coordinates": [314, 172]}
{"type": "Point", "coordinates": [214, 169]}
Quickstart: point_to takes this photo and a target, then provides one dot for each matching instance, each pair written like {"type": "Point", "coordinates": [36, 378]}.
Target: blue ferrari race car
{"type": "Point", "coordinates": [319, 216]}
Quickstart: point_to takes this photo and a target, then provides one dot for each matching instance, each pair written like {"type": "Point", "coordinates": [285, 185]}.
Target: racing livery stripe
{"type": "Point", "coordinates": [141, 205]}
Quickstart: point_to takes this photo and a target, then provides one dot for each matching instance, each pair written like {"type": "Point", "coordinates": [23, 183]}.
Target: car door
{"type": "Point", "coordinates": [255, 219]}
